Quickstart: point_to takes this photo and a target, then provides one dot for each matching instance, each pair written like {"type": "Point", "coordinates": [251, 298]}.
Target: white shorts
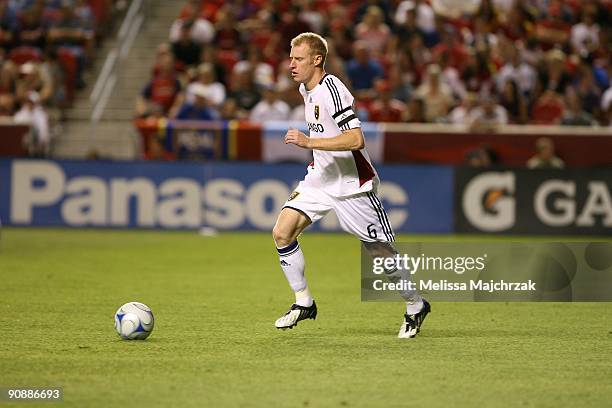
{"type": "Point", "coordinates": [362, 214]}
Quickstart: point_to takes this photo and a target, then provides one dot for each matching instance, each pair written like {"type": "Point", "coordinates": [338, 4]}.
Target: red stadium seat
{"type": "Point", "coordinates": [101, 10]}
{"type": "Point", "coordinates": [68, 62]}
{"type": "Point", "coordinates": [25, 53]}
{"type": "Point", "coordinates": [228, 59]}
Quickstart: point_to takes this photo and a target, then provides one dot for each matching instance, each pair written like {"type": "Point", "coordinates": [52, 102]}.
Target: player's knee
{"type": "Point", "coordinates": [282, 236]}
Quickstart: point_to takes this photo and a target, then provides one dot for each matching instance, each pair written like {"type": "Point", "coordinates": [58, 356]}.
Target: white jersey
{"type": "Point", "coordinates": [329, 111]}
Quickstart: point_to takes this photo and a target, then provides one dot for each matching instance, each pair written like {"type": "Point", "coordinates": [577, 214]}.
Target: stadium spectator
{"type": "Point", "coordinates": [385, 108]}
{"type": "Point", "coordinates": [479, 158]}
{"type": "Point", "coordinates": [69, 32]}
{"type": "Point", "coordinates": [270, 107]}
{"type": "Point", "coordinates": [587, 89]}
{"type": "Point", "coordinates": [230, 110]}
{"type": "Point", "coordinates": [373, 31]}
{"type": "Point", "coordinates": [488, 116]}
{"type": "Point", "coordinates": [545, 157]}
{"type": "Point", "coordinates": [552, 27]}
{"type": "Point", "coordinates": [361, 8]}
{"type": "Point", "coordinates": [226, 35]}
{"type": "Point", "coordinates": [340, 36]}
{"type": "Point", "coordinates": [363, 70]}
{"type": "Point", "coordinates": [31, 80]}
{"type": "Point", "coordinates": [575, 115]}
{"type": "Point", "coordinates": [400, 81]}
{"type": "Point", "coordinates": [408, 29]}
{"type": "Point", "coordinates": [436, 95]}
{"type": "Point", "coordinates": [262, 71]}
{"type": "Point", "coordinates": [518, 71]}
{"type": "Point", "coordinates": [554, 74]}
{"type": "Point", "coordinates": [415, 110]}
{"type": "Point", "coordinates": [33, 113]}
{"type": "Point", "coordinates": [478, 72]}
{"type": "Point", "coordinates": [201, 30]}
{"type": "Point", "coordinates": [548, 109]}
{"type": "Point", "coordinates": [85, 15]}
{"type": "Point", "coordinates": [208, 56]}
{"type": "Point", "coordinates": [450, 47]}
{"type": "Point", "coordinates": [482, 37]}
{"type": "Point", "coordinates": [161, 89]}
{"type": "Point", "coordinates": [291, 24]}
{"type": "Point", "coordinates": [489, 12]}
{"type": "Point", "coordinates": [244, 90]}
{"type": "Point", "coordinates": [261, 34]}
{"type": "Point", "coordinates": [585, 35]}
{"type": "Point", "coordinates": [309, 12]}
{"type": "Point", "coordinates": [425, 15]}
{"type": "Point", "coordinates": [215, 91]}
{"type": "Point", "coordinates": [514, 103]}
{"type": "Point", "coordinates": [461, 115]}
{"type": "Point", "coordinates": [185, 50]}
{"type": "Point", "coordinates": [30, 29]}
{"type": "Point", "coordinates": [200, 108]}
{"type": "Point", "coordinates": [450, 76]}
{"type": "Point", "coordinates": [518, 23]}
{"type": "Point", "coordinates": [52, 72]}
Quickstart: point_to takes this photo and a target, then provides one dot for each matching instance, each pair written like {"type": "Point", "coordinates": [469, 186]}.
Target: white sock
{"type": "Point", "coordinates": [293, 264]}
{"type": "Point", "coordinates": [415, 307]}
{"type": "Point", "coordinates": [413, 299]}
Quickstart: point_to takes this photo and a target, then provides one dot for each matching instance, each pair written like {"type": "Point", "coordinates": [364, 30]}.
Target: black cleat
{"type": "Point", "coordinates": [412, 323]}
{"type": "Point", "coordinates": [295, 314]}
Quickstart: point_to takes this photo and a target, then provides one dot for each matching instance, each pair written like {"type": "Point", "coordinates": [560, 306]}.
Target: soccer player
{"type": "Point", "coordinates": [341, 178]}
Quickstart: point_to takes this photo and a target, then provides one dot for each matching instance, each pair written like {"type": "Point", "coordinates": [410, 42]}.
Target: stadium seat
{"type": "Point", "coordinates": [25, 53]}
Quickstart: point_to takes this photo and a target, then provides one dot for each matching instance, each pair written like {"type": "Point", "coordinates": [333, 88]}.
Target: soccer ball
{"type": "Point", "coordinates": [134, 321]}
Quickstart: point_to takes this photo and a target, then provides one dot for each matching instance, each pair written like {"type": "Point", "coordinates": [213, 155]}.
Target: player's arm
{"type": "Point", "coordinates": [351, 139]}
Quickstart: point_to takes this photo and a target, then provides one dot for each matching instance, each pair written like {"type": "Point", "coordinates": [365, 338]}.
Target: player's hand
{"type": "Point", "coordinates": [297, 138]}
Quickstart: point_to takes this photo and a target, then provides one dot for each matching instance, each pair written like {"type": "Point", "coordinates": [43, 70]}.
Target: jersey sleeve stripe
{"type": "Point", "coordinates": [341, 112]}
{"type": "Point", "coordinates": [333, 95]}
{"type": "Point", "coordinates": [347, 120]}
{"type": "Point", "coordinates": [333, 85]}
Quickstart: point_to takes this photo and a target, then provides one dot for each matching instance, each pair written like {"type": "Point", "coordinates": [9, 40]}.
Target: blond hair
{"type": "Point", "coordinates": [317, 44]}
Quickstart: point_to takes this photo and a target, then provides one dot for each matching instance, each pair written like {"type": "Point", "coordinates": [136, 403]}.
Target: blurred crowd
{"type": "Point", "coordinates": [502, 62]}
{"type": "Point", "coordinates": [44, 48]}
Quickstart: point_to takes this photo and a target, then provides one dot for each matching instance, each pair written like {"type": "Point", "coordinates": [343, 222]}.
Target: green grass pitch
{"type": "Point", "coordinates": [214, 344]}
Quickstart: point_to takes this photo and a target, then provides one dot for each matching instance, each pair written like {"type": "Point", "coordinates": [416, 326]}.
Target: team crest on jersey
{"type": "Point", "coordinates": [293, 195]}
{"type": "Point", "coordinates": [316, 112]}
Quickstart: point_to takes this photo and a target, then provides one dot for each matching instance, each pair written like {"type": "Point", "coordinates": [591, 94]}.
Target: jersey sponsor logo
{"type": "Point", "coordinates": [316, 112]}
{"type": "Point", "coordinates": [316, 127]}
{"type": "Point", "coordinates": [293, 195]}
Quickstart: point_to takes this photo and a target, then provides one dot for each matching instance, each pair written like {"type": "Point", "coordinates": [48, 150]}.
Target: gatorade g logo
{"type": "Point", "coordinates": [316, 112]}
{"type": "Point", "coordinates": [488, 202]}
